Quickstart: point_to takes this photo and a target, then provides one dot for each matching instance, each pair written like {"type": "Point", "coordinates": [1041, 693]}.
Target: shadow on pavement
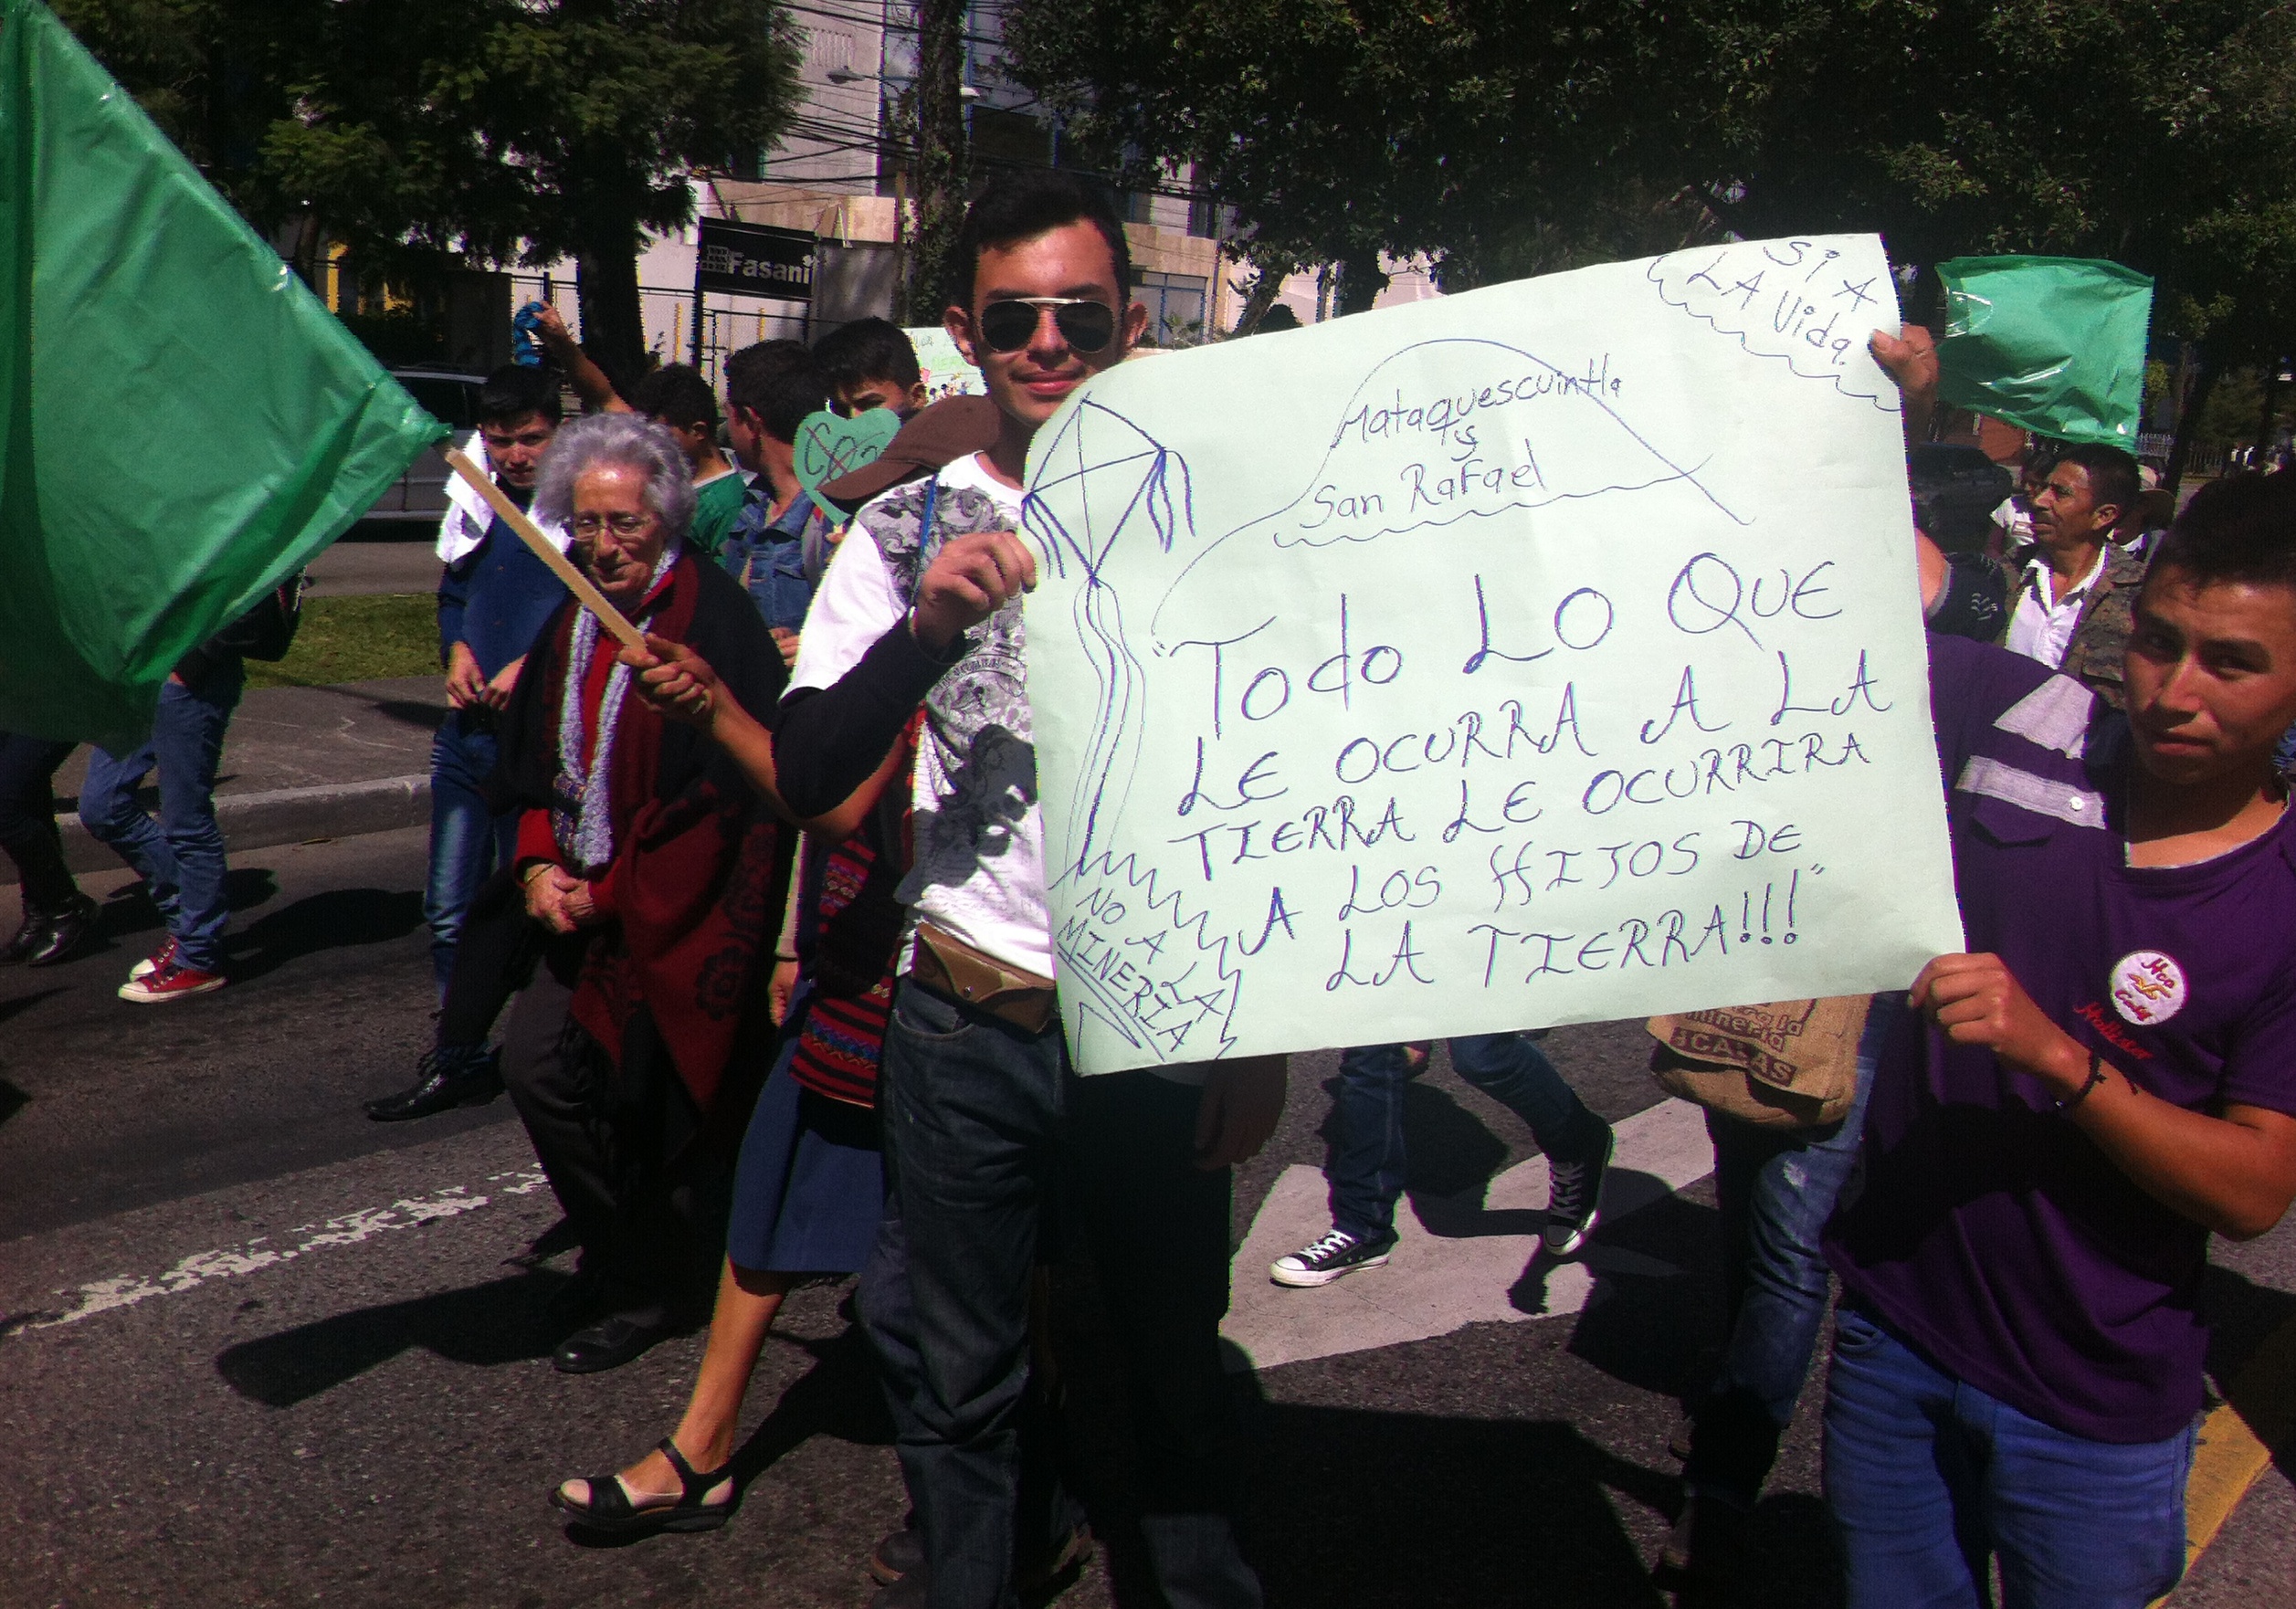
{"type": "Point", "coordinates": [839, 1397]}
{"type": "Point", "coordinates": [1481, 1511]}
{"type": "Point", "coordinates": [12, 1099]}
{"type": "Point", "coordinates": [1791, 1559]}
{"type": "Point", "coordinates": [2241, 1315]}
{"type": "Point", "coordinates": [1657, 1334]}
{"type": "Point", "coordinates": [502, 1321]}
{"type": "Point", "coordinates": [410, 713]}
{"type": "Point", "coordinates": [1381, 1509]}
{"type": "Point", "coordinates": [129, 910]}
{"type": "Point", "coordinates": [1468, 1511]}
{"type": "Point", "coordinates": [340, 919]}
{"type": "Point", "coordinates": [9, 1008]}
{"type": "Point", "coordinates": [423, 713]}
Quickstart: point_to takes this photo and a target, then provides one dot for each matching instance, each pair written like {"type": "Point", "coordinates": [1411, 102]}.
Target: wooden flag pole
{"type": "Point", "coordinates": [580, 585]}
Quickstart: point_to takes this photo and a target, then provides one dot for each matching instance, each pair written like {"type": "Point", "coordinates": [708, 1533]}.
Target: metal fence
{"type": "Point", "coordinates": [668, 315]}
{"type": "Point", "coordinates": [2155, 445]}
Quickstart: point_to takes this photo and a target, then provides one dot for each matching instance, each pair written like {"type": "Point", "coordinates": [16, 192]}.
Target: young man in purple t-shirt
{"type": "Point", "coordinates": [2110, 1078]}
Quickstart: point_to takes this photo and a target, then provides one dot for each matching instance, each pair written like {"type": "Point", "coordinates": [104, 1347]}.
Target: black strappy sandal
{"type": "Point", "coordinates": [610, 1510]}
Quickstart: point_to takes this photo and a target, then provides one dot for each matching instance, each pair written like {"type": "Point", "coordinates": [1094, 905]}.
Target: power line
{"type": "Point", "coordinates": [887, 24]}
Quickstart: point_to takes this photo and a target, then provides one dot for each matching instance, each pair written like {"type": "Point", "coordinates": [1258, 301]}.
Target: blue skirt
{"type": "Point", "coordinates": [810, 1187]}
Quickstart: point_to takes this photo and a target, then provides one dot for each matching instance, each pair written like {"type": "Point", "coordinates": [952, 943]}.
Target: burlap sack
{"type": "Point", "coordinates": [1792, 1064]}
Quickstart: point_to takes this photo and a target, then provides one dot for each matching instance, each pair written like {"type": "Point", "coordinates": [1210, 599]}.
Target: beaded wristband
{"type": "Point", "coordinates": [2096, 1077]}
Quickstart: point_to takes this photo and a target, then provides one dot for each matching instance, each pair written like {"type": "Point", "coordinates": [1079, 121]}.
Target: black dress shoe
{"type": "Point", "coordinates": [69, 926]}
{"type": "Point", "coordinates": [607, 1344]}
{"type": "Point", "coordinates": [451, 1076]}
{"type": "Point", "coordinates": [28, 938]}
{"type": "Point", "coordinates": [900, 1554]}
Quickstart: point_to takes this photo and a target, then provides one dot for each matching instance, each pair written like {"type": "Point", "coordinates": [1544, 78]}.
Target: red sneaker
{"type": "Point", "coordinates": [164, 956]}
{"type": "Point", "coordinates": [170, 981]}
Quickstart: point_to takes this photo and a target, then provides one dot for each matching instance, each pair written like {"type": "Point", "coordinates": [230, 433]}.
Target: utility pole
{"type": "Point", "coordinates": [2267, 425]}
{"type": "Point", "coordinates": [904, 312]}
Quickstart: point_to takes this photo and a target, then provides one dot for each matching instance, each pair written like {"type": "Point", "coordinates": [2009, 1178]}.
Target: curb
{"type": "Point", "coordinates": [282, 815]}
{"type": "Point", "coordinates": [2237, 1439]}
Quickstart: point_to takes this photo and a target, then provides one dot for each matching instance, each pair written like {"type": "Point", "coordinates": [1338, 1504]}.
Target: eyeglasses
{"type": "Point", "coordinates": [622, 525]}
{"type": "Point", "coordinates": [1085, 324]}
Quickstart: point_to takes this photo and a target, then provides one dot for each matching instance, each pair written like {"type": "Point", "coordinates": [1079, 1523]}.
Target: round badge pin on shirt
{"type": "Point", "coordinates": [2148, 987]}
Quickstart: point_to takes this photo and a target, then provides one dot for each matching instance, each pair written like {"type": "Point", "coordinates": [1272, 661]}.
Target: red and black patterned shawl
{"type": "Point", "coordinates": [700, 863]}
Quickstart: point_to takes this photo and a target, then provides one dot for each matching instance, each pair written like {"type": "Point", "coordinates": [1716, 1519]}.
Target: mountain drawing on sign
{"type": "Point", "coordinates": [1464, 427]}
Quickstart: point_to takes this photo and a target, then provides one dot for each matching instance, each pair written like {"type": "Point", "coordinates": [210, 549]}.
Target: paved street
{"type": "Point", "coordinates": [259, 1351]}
{"type": "Point", "coordinates": [377, 557]}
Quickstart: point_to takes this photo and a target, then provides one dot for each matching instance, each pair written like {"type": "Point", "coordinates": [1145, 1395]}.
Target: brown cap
{"type": "Point", "coordinates": [938, 434]}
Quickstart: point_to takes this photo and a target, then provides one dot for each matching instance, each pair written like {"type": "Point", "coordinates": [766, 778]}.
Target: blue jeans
{"type": "Point", "coordinates": [1367, 1160]}
{"type": "Point", "coordinates": [986, 1126]}
{"type": "Point", "coordinates": [1926, 1476]}
{"type": "Point", "coordinates": [180, 856]}
{"type": "Point", "coordinates": [468, 841]}
{"type": "Point", "coordinates": [1045, 1510]}
{"type": "Point", "coordinates": [1776, 1189]}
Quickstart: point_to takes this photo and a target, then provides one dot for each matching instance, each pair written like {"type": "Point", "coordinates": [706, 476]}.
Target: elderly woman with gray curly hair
{"type": "Point", "coordinates": [655, 868]}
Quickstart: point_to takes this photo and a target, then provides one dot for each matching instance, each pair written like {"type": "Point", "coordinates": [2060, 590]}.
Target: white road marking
{"type": "Point", "coordinates": [1455, 1263]}
{"type": "Point", "coordinates": [125, 1290]}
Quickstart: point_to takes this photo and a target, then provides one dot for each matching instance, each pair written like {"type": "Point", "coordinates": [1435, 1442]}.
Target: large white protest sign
{"type": "Point", "coordinates": [1548, 653]}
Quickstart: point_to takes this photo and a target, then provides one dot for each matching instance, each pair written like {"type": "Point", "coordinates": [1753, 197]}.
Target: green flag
{"type": "Point", "coordinates": [186, 424]}
{"type": "Point", "coordinates": [2054, 344]}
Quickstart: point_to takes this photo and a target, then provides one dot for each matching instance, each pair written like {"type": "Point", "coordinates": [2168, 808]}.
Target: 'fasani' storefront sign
{"type": "Point", "coordinates": [753, 259]}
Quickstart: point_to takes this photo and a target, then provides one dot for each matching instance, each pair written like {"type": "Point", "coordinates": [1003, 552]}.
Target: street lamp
{"type": "Point", "coordinates": [846, 74]}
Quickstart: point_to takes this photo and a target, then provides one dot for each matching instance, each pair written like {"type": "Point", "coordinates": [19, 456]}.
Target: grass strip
{"type": "Point", "coordinates": [357, 639]}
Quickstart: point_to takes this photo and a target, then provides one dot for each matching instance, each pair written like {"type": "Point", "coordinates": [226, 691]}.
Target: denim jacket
{"type": "Point", "coordinates": [768, 557]}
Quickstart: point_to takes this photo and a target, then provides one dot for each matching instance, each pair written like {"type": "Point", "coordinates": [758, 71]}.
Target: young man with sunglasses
{"type": "Point", "coordinates": [984, 1117]}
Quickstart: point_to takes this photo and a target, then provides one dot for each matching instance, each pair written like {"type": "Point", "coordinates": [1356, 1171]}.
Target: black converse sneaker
{"type": "Point", "coordinates": [1574, 1198]}
{"type": "Point", "coordinates": [1336, 1255]}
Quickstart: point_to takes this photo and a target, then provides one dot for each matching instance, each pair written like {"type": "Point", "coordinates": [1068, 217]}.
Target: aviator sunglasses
{"type": "Point", "coordinates": [1086, 325]}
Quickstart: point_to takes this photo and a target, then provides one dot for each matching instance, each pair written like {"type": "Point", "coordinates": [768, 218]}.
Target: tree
{"type": "Point", "coordinates": [2159, 133]}
{"type": "Point", "coordinates": [213, 74]}
{"type": "Point", "coordinates": [417, 131]}
{"type": "Point", "coordinates": [1506, 137]}
{"type": "Point", "coordinates": [1481, 132]}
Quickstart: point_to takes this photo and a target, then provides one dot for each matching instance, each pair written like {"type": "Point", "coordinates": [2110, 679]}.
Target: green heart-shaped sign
{"type": "Point", "coordinates": [828, 447]}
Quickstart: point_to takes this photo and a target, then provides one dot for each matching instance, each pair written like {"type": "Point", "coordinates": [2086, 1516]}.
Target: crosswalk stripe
{"type": "Point", "coordinates": [126, 1290]}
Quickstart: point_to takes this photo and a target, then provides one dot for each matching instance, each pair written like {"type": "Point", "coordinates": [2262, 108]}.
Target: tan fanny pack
{"type": "Point", "coordinates": [948, 966]}
{"type": "Point", "coordinates": [1791, 1063]}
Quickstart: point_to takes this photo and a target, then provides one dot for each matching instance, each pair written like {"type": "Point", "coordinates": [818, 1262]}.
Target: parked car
{"type": "Point", "coordinates": [1956, 490]}
{"type": "Point", "coordinates": [452, 398]}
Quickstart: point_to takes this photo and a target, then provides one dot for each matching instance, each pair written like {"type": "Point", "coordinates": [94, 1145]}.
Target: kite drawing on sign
{"type": "Point", "coordinates": [1106, 480]}
{"type": "Point", "coordinates": [1105, 484]}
